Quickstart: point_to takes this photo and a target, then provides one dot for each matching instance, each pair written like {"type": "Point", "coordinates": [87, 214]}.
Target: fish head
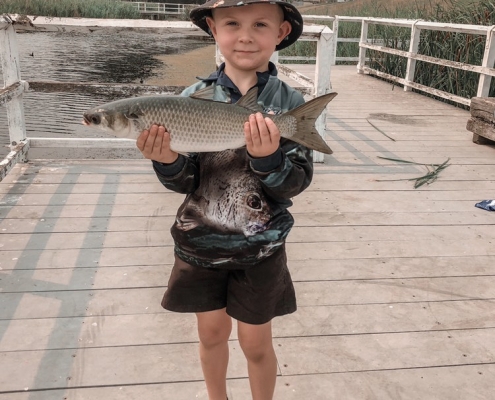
{"type": "Point", "coordinates": [115, 120]}
{"type": "Point", "coordinates": [256, 212]}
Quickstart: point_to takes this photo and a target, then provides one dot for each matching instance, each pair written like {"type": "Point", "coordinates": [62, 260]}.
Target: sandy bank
{"type": "Point", "coordinates": [182, 69]}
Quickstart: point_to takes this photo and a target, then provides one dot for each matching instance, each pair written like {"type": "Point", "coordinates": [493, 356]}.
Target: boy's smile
{"type": "Point", "coordinates": [247, 35]}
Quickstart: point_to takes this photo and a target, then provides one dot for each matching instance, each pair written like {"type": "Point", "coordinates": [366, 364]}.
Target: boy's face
{"type": "Point", "coordinates": [247, 35]}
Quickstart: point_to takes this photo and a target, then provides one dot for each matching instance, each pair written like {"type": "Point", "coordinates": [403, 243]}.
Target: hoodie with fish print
{"type": "Point", "coordinates": [235, 212]}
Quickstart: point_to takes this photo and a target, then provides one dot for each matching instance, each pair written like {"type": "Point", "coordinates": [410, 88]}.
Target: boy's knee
{"type": "Point", "coordinates": [214, 329]}
{"type": "Point", "coordinates": [213, 336]}
{"type": "Point", "coordinates": [256, 350]}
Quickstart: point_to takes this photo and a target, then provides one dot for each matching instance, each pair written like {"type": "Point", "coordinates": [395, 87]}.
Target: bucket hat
{"type": "Point", "coordinates": [291, 14]}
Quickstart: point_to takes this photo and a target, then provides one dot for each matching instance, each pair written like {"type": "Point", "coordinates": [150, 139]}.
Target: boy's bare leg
{"type": "Point", "coordinates": [256, 343]}
{"type": "Point", "coordinates": [214, 329]}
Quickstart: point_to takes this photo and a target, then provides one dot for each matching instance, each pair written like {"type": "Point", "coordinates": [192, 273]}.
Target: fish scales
{"type": "Point", "coordinates": [196, 126]}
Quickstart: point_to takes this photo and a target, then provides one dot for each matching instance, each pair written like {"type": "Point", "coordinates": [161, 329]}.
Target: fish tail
{"type": "Point", "coordinates": [306, 115]}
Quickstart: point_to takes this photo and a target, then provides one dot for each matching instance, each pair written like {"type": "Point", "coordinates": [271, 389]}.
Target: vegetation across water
{"type": "Point", "coordinates": [70, 8]}
{"type": "Point", "coordinates": [465, 48]}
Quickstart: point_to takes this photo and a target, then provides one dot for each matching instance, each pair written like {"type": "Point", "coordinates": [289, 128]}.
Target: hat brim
{"type": "Point", "coordinates": [291, 14]}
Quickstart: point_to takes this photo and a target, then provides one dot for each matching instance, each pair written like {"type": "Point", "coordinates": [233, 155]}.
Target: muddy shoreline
{"type": "Point", "coordinates": [182, 69]}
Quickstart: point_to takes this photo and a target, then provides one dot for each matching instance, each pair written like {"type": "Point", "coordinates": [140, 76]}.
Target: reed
{"type": "Point", "coordinates": [450, 46]}
{"type": "Point", "coordinates": [70, 8]}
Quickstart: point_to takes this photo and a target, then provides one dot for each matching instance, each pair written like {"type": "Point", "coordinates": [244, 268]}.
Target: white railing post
{"type": "Point", "coordinates": [488, 61]}
{"type": "Point", "coordinates": [322, 79]}
{"type": "Point", "coordinates": [335, 39]}
{"type": "Point", "coordinates": [413, 49]}
{"type": "Point", "coordinates": [9, 59]}
{"type": "Point", "coordinates": [362, 50]}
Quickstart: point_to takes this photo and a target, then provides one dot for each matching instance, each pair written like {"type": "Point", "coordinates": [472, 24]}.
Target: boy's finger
{"type": "Point", "coordinates": [247, 135]}
{"type": "Point", "coordinates": [273, 129]}
{"type": "Point", "coordinates": [157, 145]}
{"type": "Point", "coordinates": [255, 135]}
{"type": "Point", "coordinates": [141, 140]}
{"type": "Point", "coordinates": [150, 142]}
{"type": "Point", "coordinates": [262, 128]}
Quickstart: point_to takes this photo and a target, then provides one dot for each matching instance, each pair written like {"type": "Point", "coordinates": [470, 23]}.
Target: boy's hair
{"type": "Point", "coordinates": [291, 14]}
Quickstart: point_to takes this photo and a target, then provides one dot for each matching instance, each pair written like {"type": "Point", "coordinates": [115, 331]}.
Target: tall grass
{"type": "Point", "coordinates": [460, 47]}
{"type": "Point", "coordinates": [70, 8]}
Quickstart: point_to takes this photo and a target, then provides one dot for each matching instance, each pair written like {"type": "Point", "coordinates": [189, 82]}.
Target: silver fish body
{"type": "Point", "coordinates": [196, 124]}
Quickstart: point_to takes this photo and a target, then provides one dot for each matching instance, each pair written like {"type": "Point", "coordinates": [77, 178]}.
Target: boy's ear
{"type": "Point", "coordinates": [211, 24]}
{"type": "Point", "coordinates": [283, 32]}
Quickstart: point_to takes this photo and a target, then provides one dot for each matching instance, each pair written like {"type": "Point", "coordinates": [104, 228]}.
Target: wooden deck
{"type": "Point", "coordinates": [395, 285]}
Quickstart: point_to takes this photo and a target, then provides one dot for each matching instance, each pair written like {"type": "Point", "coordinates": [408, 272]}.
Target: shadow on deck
{"type": "Point", "coordinates": [395, 285]}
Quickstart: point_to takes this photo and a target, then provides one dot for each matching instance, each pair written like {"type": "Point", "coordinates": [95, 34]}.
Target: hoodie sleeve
{"type": "Point", "coordinates": [293, 174]}
{"type": "Point", "coordinates": [182, 176]}
{"type": "Point", "coordinates": [289, 171]}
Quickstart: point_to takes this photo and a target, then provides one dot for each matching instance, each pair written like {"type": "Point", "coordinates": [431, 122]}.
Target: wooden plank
{"type": "Point", "coordinates": [80, 303]}
{"type": "Point", "coordinates": [325, 195]}
{"type": "Point", "coordinates": [98, 366]}
{"type": "Point", "coordinates": [45, 280]}
{"type": "Point", "coordinates": [123, 256]}
{"type": "Point", "coordinates": [385, 351]}
{"type": "Point", "coordinates": [145, 364]}
{"type": "Point", "coordinates": [319, 293]}
{"type": "Point", "coordinates": [456, 383]}
{"type": "Point", "coordinates": [391, 267]}
{"type": "Point", "coordinates": [349, 250]}
{"type": "Point", "coordinates": [446, 383]}
{"type": "Point", "coordinates": [151, 329]}
{"type": "Point", "coordinates": [131, 184]}
{"type": "Point", "coordinates": [19, 224]}
{"type": "Point", "coordinates": [113, 275]}
{"type": "Point", "coordinates": [130, 239]}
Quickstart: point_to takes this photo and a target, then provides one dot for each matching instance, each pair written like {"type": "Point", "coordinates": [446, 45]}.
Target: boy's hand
{"type": "Point", "coordinates": [155, 145]}
{"type": "Point", "coordinates": [262, 136]}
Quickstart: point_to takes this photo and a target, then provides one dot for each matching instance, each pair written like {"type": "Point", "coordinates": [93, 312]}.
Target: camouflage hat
{"type": "Point", "coordinates": [291, 14]}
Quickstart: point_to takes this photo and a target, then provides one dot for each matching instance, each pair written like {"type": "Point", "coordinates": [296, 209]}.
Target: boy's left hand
{"type": "Point", "coordinates": [262, 136]}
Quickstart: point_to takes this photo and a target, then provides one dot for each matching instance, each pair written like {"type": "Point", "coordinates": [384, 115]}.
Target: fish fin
{"type": "Point", "coordinates": [134, 112]}
{"type": "Point", "coordinates": [204, 94]}
{"type": "Point", "coordinates": [250, 100]}
{"type": "Point", "coordinates": [306, 115]}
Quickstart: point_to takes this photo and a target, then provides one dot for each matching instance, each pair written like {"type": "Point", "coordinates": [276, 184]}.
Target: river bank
{"type": "Point", "coordinates": [182, 69]}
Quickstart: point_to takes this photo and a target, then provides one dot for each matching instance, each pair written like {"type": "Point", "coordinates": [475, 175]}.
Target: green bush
{"type": "Point", "coordinates": [70, 8]}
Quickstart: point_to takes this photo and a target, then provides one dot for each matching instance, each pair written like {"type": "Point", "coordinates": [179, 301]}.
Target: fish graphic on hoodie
{"type": "Point", "coordinates": [231, 220]}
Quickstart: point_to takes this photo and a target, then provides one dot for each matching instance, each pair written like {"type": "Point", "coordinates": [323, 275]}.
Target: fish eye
{"type": "Point", "coordinates": [95, 119]}
{"type": "Point", "coordinates": [254, 201]}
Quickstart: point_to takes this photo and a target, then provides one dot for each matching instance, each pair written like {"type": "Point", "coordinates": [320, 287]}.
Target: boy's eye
{"type": "Point", "coordinates": [231, 23]}
{"type": "Point", "coordinates": [260, 25]}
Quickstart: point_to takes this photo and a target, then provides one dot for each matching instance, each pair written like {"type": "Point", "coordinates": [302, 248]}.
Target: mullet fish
{"type": "Point", "coordinates": [199, 124]}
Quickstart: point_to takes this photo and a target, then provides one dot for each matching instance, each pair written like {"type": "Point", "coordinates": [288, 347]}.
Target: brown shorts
{"type": "Point", "coordinates": [254, 295]}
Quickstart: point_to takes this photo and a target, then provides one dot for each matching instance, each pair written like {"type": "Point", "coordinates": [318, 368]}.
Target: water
{"type": "Point", "coordinates": [123, 57]}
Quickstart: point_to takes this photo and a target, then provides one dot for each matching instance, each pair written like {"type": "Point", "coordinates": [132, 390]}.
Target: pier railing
{"type": "Point", "coordinates": [485, 70]}
{"type": "Point", "coordinates": [11, 96]}
{"type": "Point", "coordinates": [158, 8]}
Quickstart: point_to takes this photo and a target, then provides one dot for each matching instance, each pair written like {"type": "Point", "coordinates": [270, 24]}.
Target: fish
{"type": "Point", "coordinates": [198, 124]}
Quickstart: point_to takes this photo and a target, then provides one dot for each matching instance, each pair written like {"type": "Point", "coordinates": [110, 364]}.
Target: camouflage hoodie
{"type": "Point", "coordinates": [235, 212]}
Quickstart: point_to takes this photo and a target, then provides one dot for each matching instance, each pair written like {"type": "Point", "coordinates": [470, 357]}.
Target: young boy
{"type": "Point", "coordinates": [229, 234]}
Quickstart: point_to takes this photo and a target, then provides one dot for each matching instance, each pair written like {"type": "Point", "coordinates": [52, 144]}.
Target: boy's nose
{"type": "Point", "coordinates": [245, 35]}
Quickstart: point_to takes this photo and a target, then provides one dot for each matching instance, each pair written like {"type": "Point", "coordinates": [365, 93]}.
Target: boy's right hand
{"type": "Point", "coordinates": [155, 145]}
